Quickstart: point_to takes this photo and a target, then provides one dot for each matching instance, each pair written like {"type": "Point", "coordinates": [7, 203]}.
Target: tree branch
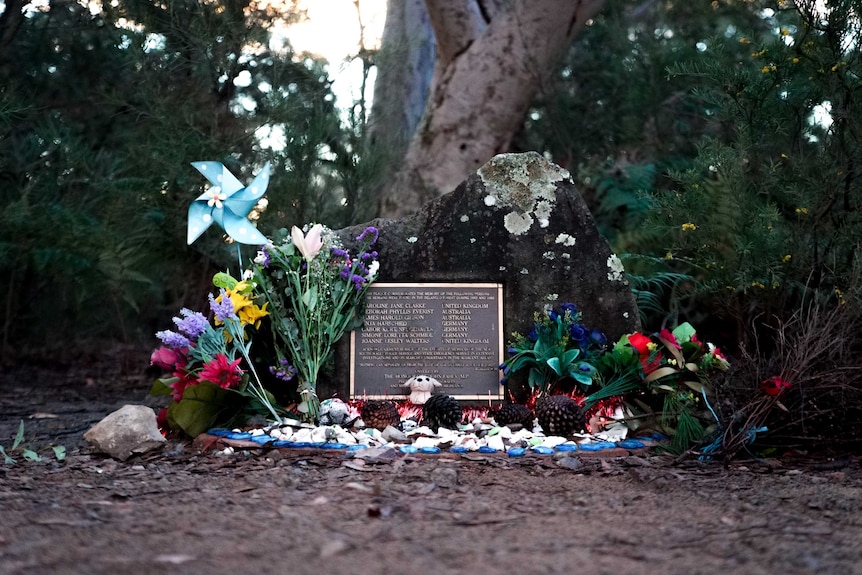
{"type": "Point", "coordinates": [457, 24]}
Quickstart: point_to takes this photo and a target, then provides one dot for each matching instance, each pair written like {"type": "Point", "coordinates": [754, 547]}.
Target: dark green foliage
{"type": "Point", "coordinates": [768, 215]}
{"type": "Point", "coordinates": [100, 116]}
{"type": "Point", "coordinates": [615, 119]}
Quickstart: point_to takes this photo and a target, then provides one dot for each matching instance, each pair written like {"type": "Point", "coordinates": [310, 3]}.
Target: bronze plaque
{"type": "Point", "coordinates": [452, 332]}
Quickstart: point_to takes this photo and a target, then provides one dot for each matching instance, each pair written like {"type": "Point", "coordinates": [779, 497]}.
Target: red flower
{"type": "Point", "coordinates": [650, 364]}
{"type": "Point", "coordinates": [640, 342]}
{"type": "Point", "coordinates": [774, 385]}
{"type": "Point", "coordinates": [167, 358]}
{"type": "Point", "coordinates": [221, 372]}
{"type": "Point", "coordinates": [179, 386]}
{"type": "Point", "coordinates": [162, 421]}
{"type": "Point", "coordinates": [666, 335]}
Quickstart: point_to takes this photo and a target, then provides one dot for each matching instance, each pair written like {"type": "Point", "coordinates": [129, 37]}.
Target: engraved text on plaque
{"type": "Point", "coordinates": [451, 332]}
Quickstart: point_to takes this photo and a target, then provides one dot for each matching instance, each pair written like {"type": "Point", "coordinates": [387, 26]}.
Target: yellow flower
{"type": "Point", "coordinates": [768, 69]}
{"type": "Point", "coordinates": [652, 346]}
{"type": "Point", "coordinates": [248, 312]}
{"type": "Point", "coordinates": [786, 258]}
{"type": "Point", "coordinates": [840, 295]}
{"type": "Point", "coordinates": [758, 54]}
{"type": "Point", "coordinates": [802, 211]}
{"type": "Point", "coordinates": [795, 60]}
{"type": "Point", "coordinates": [687, 227]}
{"type": "Point", "coordinates": [744, 41]}
{"type": "Point", "coordinates": [757, 285]}
{"type": "Point", "coordinates": [251, 314]}
{"type": "Point", "coordinates": [668, 256]}
{"type": "Point", "coordinates": [784, 31]}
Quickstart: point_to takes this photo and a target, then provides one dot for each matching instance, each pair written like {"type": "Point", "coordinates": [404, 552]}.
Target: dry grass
{"type": "Point", "coordinates": [818, 352]}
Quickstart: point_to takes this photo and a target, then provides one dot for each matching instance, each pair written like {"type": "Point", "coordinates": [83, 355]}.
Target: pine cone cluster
{"type": "Point", "coordinates": [560, 415]}
{"type": "Point", "coordinates": [441, 411]}
{"type": "Point", "coordinates": [515, 413]}
{"type": "Point", "coordinates": [379, 414]}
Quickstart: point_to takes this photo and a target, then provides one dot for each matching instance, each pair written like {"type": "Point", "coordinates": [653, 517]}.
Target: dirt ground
{"type": "Point", "coordinates": [284, 511]}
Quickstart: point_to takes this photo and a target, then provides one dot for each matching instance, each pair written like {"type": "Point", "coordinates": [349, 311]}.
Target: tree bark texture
{"type": "Point", "coordinates": [405, 64]}
{"type": "Point", "coordinates": [492, 57]}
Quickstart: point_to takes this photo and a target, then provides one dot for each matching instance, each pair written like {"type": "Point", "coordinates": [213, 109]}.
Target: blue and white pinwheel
{"type": "Point", "coordinates": [227, 203]}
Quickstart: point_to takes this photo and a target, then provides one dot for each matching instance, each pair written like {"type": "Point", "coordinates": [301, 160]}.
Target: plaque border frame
{"type": "Point", "coordinates": [460, 397]}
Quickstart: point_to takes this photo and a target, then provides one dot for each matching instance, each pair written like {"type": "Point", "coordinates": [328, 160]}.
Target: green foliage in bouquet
{"type": "Point", "coordinates": [316, 292]}
{"type": "Point", "coordinates": [558, 347]}
{"type": "Point", "coordinates": [208, 384]}
{"type": "Point", "coordinates": [662, 380]}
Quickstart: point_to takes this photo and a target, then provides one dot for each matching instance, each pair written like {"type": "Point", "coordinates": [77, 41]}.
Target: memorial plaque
{"type": "Point", "coordinates": [452, 332]}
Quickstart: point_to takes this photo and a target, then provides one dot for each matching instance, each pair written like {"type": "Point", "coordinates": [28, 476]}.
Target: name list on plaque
{"type": "Point", "coordinates": [451, 332]}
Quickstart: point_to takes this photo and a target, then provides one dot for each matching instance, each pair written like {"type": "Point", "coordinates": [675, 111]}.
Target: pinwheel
{"type": "Point", "coordinates": [227, 203]}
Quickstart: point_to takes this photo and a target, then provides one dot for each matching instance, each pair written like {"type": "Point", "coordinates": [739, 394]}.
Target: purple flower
{"type": "Point", "coordinates": [345, 272]}
{"type": "Point", "coordinates": [224, 309]}
{"type": "Point", "coordinates": [358, 282]}
{"type": "Point", "coordinates": [284, 373]}
{"type": "Point", "coordinates": [533, 335]}
{"type": "Point", "coordinates": [262, 258]}
{"type": "Point", "coordinates": [192, 323]}
{"type": "Point", "coordinates": [340, 253]}
{"type": "Point", "coordinates": [369, 231]}
{"type": "Point", "coordinates": [173, 339]}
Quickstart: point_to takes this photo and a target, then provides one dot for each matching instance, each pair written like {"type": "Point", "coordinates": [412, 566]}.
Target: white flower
{"type": "Point", "coordinates": [490, 200]}
{"type": "Point", "coordinates": [412, 239]}
{"type": "Point", "coordinates": [309, 244]}
{"type": "Point", "coordinates": [372, 270]}
{"type": "Point", "coordinates": [216, 196]}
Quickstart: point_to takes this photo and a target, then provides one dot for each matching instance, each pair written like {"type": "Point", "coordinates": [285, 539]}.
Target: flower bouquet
{"type": "Point", "coordinates": [559, 347]}
{"type": "Point", "coordinates": [671, 367]}
{"type": "Point", "coordinates": [316, 292]}
{"type": "Point", "coordinates": [208, 383]}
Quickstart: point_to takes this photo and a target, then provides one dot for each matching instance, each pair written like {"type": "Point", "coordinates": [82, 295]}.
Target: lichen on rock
{"type": "Point", "coordinates": [525, 182]}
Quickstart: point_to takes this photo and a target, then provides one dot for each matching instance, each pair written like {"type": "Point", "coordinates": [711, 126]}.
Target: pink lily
{"type": "Point", "coordinates": [309, 244]}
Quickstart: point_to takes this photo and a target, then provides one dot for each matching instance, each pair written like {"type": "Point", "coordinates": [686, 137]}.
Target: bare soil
{"type": "Point", "coordinates": [284, 511]}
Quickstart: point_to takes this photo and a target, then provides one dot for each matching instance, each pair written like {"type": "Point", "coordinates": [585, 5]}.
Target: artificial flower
{"type": "Point", "coordinates": [640, 342]}
{"type": "Point", "coordinates": [309, 245]}
{"type": "Point", "coordinates": [667, 336]}
{"type": "Point", "coordinates": [192, 323]}
{"type": "Point", "coordinates": [166, 357]}
{"type": "Point", "coordinates": [252, 314]}
{"type": "Point", "coordinates": [774, 385]}
{"type": "Point", "coordinates": [221, 372]}
{"type": "Point", "coordinates": [222, 307]}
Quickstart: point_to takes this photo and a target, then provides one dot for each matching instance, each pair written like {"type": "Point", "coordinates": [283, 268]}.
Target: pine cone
{"type": "Point", "coordinates": [560, 415]}
{"type": "Point", "coordinates": [515, 413]}
{"type": "Point", "coordinates": [379, 414]}
{"type": "Point", "coordinates": [441, 411]}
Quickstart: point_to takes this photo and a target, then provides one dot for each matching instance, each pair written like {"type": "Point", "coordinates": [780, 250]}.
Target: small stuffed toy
{"type": "Point", "coordinates": [421, 387]}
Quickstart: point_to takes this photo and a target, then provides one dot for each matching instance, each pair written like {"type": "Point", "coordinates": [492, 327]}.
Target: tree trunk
{"type": "Point", "coordinates": [405, 64]}
{"type": "Point", "coordinates": [492, 58]}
